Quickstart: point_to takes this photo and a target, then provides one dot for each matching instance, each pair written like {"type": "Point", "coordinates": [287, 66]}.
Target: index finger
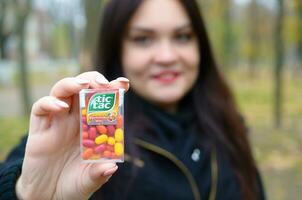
{"type": "Point", "coordinates": [68, 87]}
{"type": "Point", "coordinates": [120, 82]}
{"type": "Point", "coordinates": [98, 81]}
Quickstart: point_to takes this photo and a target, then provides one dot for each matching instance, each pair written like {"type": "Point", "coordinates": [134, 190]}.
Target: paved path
{"type": "Point", "coordinates": [10, 102]}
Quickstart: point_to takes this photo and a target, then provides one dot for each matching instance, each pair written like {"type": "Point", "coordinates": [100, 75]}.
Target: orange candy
{"type": "Point", "coordinates": [87, 153]}
{"type": "Point", "coordinates": [101, 129]}
{"type": "Point", "coordinates": [95, 157]}
{"type": "Point", "coordinates": [107, 154]}
{"type": "Point", "coordinates": [85, 135]}
{"type": "Point", "coordinates": [119, 121]}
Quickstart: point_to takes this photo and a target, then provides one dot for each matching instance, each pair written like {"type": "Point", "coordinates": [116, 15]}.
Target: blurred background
{"type": "Point", "coordinates": [257, 43]}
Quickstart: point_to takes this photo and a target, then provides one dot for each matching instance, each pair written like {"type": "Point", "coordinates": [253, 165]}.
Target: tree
{"type": "Point", "coordinates": [219, 21]}
{"type": "Point", "coordinates": [298, 13]}
{"type": "Point", "coordinates": [293, 35]}
{"type": "Point", "coordinates": [92, 12]}
{"type": "Point", "coordinates": [3, 33]}
{"type": "Point", "coordinates": [23, 8]}
{"type": "Point", "coordinates": [279, 55]}
{"type": "Point", "coordinates": [227, 34]}
{"type": "Point", "coordinates": [2, 15]}
{"type": "Point", "coordinates": [253, 37]}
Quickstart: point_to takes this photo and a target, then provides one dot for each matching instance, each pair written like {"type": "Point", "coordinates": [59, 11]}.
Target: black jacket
{"type": "Point", "coordinates": [171, 164]}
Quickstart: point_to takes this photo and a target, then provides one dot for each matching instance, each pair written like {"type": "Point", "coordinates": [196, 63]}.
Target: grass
{"type": "Point", "coordinates": [277, 151]}
{"type": "Point", "coordinates": [11, 131]}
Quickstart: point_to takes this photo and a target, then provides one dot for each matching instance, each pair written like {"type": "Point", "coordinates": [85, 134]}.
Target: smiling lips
{"type": "Point", "coordinates": [166, 77]}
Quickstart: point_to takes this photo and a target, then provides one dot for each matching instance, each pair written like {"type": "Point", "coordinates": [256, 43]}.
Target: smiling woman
{"type": "Point", "coordinates": [178, 96]}
{"type": "Point", "coordinates": [184, 138]}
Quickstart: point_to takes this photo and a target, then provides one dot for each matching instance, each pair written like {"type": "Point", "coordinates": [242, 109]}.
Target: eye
{"type": "Point", "coordinates": [183, 37]}
{"type": "Point", "coordinates": [142, 40]}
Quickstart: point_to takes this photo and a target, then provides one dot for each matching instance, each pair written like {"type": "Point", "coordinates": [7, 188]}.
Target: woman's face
{"type": "Point", "coordinates": [160, 53]}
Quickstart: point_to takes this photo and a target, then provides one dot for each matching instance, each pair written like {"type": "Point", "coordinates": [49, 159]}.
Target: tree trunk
{"type": "Point", "coordinates": [253, 21]}
{"type": "Point", "coordinates": [92, 14]}
{"type": "Point", "coordinates": [22, 13]}
{"type": "Point", "coordinates": [227, 33]}
{"type": "Point", "coordinates": [299, 51]}
{"type": "Point", "coordinates": [279, 47]}
{"type": "Point", "coordinates": [2, 34]}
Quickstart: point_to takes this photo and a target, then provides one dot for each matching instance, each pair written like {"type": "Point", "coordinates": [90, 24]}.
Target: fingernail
{"type": "Point", "coordinates": [123, 79]}
{"type": "Point", "coordinates": [111, 171]}
{"type": "Point", "coordinates": [61, 103]}
{"type": "Point", "coordinates": [81, 81]}
{"type": "Point", "coordinates": [101, 80]}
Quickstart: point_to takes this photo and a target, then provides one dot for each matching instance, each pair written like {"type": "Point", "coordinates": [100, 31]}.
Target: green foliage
{"type": "Point", "coordinates": [292, 30]}
{"type": "Point", "coordinates": [248, 36]}
{"type": "Point", "coordinates": [11, 131]}
{"type": "Point", "coordinates": [61, 44]}
{"type": "Point", "coordinates": [220, 25]}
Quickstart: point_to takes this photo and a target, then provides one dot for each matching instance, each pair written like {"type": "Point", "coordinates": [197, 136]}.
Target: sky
{"type": "Point", "coordinates": [72, 10]}
{"type": "Point", "coordinates": [268, 3]}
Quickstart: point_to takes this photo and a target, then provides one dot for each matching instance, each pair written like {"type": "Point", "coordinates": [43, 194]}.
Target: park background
{"type": "Point", "coordinates": [257, 43]}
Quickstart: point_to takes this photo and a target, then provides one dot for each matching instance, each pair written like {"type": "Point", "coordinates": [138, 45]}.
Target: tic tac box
{"type": "Point", "coordinates": [102, 125]}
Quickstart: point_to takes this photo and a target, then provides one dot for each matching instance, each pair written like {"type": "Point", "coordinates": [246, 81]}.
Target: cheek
{"type": "Point", "coordinates": [191, 59]}
{"type": "Point", "coordinates": [194, 57]}
{"type": "Point", "coordinates": [134, 62]}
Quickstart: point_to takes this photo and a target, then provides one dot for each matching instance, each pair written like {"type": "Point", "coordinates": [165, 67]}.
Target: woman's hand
{"type": "Point", "coordinates": [52, 167]}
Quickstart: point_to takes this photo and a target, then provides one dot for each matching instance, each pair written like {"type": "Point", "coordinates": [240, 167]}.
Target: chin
{"type": "Point", "coordinates": [169, 98]}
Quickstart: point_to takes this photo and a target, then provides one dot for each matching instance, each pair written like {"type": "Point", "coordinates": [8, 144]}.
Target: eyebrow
{"type": "Point", "coordinates": [148, 30]}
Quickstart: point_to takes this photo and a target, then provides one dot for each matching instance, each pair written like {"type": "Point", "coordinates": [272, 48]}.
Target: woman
{"type": "Point", "coordinates": [184, 136]}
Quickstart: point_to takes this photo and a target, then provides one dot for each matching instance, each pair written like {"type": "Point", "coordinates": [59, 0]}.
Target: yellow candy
{"type": "Point", "coordinates": [119, 135]}
{"type": "Point", "coordinates": [111, 141]}
{"type": "Point", "coordinates": [118, 149]}
{"type": "Point", "coordinates": [84, 111]}
{"type": "Point", "coordinates": [101, 139]}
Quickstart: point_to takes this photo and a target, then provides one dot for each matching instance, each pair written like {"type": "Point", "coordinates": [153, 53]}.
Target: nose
{"type": "Point", "coordinates": [165, 54]}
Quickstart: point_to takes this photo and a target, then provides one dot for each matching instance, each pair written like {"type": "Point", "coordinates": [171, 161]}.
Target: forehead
{"type": "Point", "coordinates": [160, 13]}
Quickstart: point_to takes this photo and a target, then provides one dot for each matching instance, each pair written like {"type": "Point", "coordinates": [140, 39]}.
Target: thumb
{"type": "Point", "coordinates": [98, 174]}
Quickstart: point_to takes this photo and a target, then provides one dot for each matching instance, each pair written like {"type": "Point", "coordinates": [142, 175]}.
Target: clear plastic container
{"type": "Point", "coordinates": [102, 125]}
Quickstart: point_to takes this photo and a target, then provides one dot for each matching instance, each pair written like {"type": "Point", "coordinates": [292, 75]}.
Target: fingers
{"type": "Point", "coordinates": [98, 174]}
{"type": "Point", "coordinates": [97, 80]}
{"type": "Point", "coordinates": [69, 86]}
{"type": "Point", "coordinates": [120, 82]}
{"type": "Point", "coordinates": [47, 105]}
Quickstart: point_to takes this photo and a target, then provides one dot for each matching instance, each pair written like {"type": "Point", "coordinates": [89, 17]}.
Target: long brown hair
{"type": "Point", "coordinates": [215, 107]}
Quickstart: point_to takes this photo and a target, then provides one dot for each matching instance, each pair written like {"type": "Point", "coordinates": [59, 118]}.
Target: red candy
{"type": "Point", "coordinates": [99, 149]}
{"type": "Point", "coordinates": [85, 127]}
{"type": "Point", "coordinates": [88, 143]}
{"type": "Point", "coordinates": [110, 148]}
{"type": "Point", "coordinates": [92, 133]}
{"type": "Point", "coordinates": [84, 120]}
{"type": "Point", "coordinates": [110, 130]}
